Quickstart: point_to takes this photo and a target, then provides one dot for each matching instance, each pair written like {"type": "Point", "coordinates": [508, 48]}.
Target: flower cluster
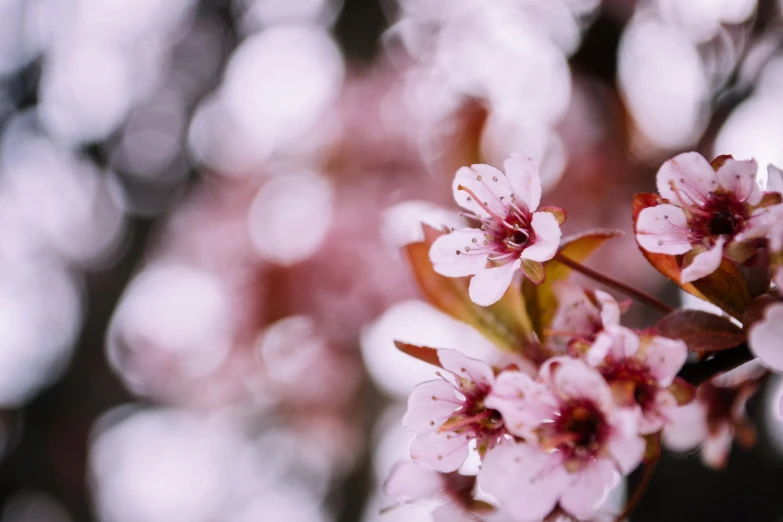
{"type": "Point", "coordinates": [581, 400]}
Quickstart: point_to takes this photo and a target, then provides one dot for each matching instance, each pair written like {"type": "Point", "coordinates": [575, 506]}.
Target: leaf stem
{"type": "Point", "coordinates": [613, 283]}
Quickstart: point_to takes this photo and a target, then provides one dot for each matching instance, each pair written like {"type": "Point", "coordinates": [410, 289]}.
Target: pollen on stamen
{"type": "Point", "coordinates": [475, 240]}
{"type": "Point", "coordinates": [478, 178]}
{"type": "Point", "coordinates": [458, 252]}
{"type": "Point", "coordinates": [467, 249]}
{"type": "Point", "coordinates": [494, 178]}
{"type": "Point", "coordinates": [660, 242]}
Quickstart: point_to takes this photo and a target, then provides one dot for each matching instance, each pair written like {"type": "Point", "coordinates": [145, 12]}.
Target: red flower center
{"type": "Point", "coordinates": [721, 215]}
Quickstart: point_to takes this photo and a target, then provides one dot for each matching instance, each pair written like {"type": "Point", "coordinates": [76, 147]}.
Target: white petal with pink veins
{"type": "Point", "coordinates": [430, 405]}
{"type": "Point", "coordinates": [440, 451]}
{"type": "Point", "coordinates": [739, 177]}
{"type": "Point", "coordinates": [705, 263]}
{"type": "Point", "coordinates": [547, 240]}
{"type": "Point", "coordinates": [522, 172]}
{"type": "Point", "coordinates": [468, 177]}
{"type": "Point", "coordinates": [589, 488]}
{"type": "Point", "coordinates": [523, 402]}
{"type": "Point", "coordinates": [408, 482]}
{"type": "Point", "coordinates": [489, 285]}
{"type": "Point", "coordinates": [477, 371]}
{"type": "Point", "coordinates": [686, 179]}
{"type": "Point", "coordinates": [449, 257]}
{"type": "Point", "coordinates": [576, 314]}
{"type": "Point", "coordinates": [525, 481]}
{"type": "Point", "coordinates": [665, 357]}
{"type": "Point", "coordinates": [658, 415]}
{"type": "Point", "coordinates": [765, 338]}
{"type": "Point", "coordinates": [663, 229]}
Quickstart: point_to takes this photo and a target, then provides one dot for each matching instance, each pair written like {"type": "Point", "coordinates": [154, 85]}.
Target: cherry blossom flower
{"type": "Point", "coordinates": [764, 337]}
{"type": "Point", "coordinates": [713, 420]}
{"type": "Point", "coordinates": [709, 212]}
{"type": "Point", "coordinates": [580, 315]}
{"type": "Point", "coordinates": [578, 442]}
{"type": "Point", "coordinates": [409, 483]}
{"type": "Point", "coordinates": [511, 236]}
{"type": "Point", "coordinates": [449, 413]}
{"type": "Point", "coordinates": [639, 369]}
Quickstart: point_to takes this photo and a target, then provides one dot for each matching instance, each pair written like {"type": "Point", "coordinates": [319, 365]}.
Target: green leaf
{"type": "Point", "coordinates": [534, 271]}
{"type": "Point", "coordinates": [540, 299]}
{"type": "Point", "coordinates": [506, 323]}
{"type": "Point", "coordinates": [701, 331]}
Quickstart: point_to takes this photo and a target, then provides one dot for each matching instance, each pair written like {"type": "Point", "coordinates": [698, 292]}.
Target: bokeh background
{"type": "Point", "coordinates": [202, 204]}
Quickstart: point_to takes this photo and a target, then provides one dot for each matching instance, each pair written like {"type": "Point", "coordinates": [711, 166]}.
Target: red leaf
{"type": "Point", "coordinates": [422, 353]}
{"type": "Point", "coordinates": [701, 331]}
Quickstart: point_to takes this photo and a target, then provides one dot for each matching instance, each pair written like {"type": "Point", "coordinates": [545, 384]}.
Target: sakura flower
{"type": "Point", "coordinates": [639, 370]}
{"type": "Point", "coordinates": [510, 236]}
{"type": "Point", "coordinates": [581, 314]}
{"type": "Point", "coordinates": [449, 413]}
{"type": "Point", "coordinates": [709, 212]}
{"type": "Point", "coordinates": [409, 483]}
{"type": "Point", "coordinates": [712, 420]}
{"type": "Point", "coordinates": [765, 335]}
{"type": "Point", "coordinates": [578, 442]}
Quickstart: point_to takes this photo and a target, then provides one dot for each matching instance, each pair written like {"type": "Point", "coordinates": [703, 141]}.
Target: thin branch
{"type": "Point", "coordinates": [723, 361]}
{"type": "Point", "coordinates": [617, 285]}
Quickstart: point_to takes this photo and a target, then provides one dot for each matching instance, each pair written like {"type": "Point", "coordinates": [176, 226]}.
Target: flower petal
{"type": "Point", "coordinates": [665, 357]}
{"type": "Point", "coordinates": [450, 258]}
{"type": "Point", "coordinates": [704, 263]}
{"type": "Point", "coordinates": [576, 313]}
{"type": "Point", "coordinates": [522, 172]}
{"type": "Point", "coordinates": [715, 452]}
{"type": "Point", "coordinates": [656, 417]}
{"type": "Point", "coordinates": [430, 405]}
{"type": "Point", "coordinates": [547, 239]}
{"type": "Point", "coordinates": [478, 179]}
{"type": "Point", "coordinates": [444, 452]}
{"type": "Point", "coordinates": [573, 379]}
{"type": "Point", "coordinates": [590, 489]}
{"type": "Point", "coordinates": [489, 285]}
{"type": "Point", "coordinates": [523, 402]}
{"type": "Point", "coordinates": [451, 512]}
{"type": "Point", "coordinates": [739, 177]}
{"type": "Point", "coordinates": [774, 179]}
{"type": "Point", "coordinates": [477, 371]}
{"type": "Point", "coordinates": [687, 427]}
{"type": "Point", "coordinates": [663, 229]}
{"type": "Point", "coordinates": [525, 481]}
{"type": "Point", "coordinates": [625, 445]}
{"type": "Point", "coordinates": [686, 179]}
{"type": "Point", "coordinates": [610, 308]}
{"type": "Point", "coordinates": [409, 482]}
{"type": "Point", "coordinates": [765, 338]}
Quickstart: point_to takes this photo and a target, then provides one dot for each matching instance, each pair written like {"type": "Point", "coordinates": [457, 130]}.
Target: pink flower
{"type": "Point", "coordinates": [581, 314]}
{"type": "Point", "coordinates": [578, 443]}
{"type": "Point", "coordinates": [448, 413]}
{"type": "Point", "coordinates": [639, 371]}
{"type": "Point", "coordinates": [712, 420]}
{"type": "Point", "coordinates": [709, 213]}
{"type": "Point", "coordinates": [765, 337]}
{"type": "Point", "coordinates": [510, 235]}
{"type": "Point", "coordinates": [408, 483]}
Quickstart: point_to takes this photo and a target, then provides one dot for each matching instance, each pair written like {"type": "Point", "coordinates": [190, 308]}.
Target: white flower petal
{"type": "Point", "coordinates": [449, 255]}
{"type": "Point", "coordinates": [705, 263]}
{"type": "Point", "coordinates": [739, 177]}
{"type": "Point", "coordinates": [663, 229]}
{"type": "Point", "coordinates": [522, 172]}
{"type": "Point", "coordinates": [686, 179]}
{"type": "Point", "coordinates": [489, 285]}
{"type": "Point", "coordinates": [547, 240]}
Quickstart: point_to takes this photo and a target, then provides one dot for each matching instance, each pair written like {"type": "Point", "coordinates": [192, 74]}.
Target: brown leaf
{"type": "Point", "coordinates": [534, 271]}
{"type": "Point", "coordinates": [725, 288]}
{"type": "Point", "coordinates": [506, 323]}
{"type": "Point", "coordinates": [701, 331]}
{"type": "Point", "coordinates": [540, 299]}
{"type": "Point", "coordinates": [422, 353]}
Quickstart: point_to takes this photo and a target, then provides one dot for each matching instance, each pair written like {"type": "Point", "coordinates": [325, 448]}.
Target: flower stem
{"type": "Point", "coordinates": [613, 283]}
